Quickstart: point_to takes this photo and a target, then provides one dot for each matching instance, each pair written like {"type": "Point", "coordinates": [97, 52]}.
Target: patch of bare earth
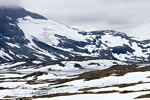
{"type": "Point", "coordinates": [117, 70]}
{"type": "Point", "coordinates": [143, 96]}
{"type": "Point", "coordinates": [116, 85]}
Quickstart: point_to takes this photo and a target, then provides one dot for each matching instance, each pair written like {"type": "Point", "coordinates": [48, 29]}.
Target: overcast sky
{"type": "Point", "coordinates": [129, 16]}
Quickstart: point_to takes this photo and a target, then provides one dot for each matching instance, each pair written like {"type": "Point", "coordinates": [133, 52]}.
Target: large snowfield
{"type": "Point", "coordinates": [15, 86]}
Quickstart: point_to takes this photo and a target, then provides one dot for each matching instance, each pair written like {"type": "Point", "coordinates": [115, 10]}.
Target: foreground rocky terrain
{"type": "Point", "coordinates": [74, 79]}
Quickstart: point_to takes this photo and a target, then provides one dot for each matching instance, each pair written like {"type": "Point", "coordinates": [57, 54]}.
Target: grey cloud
{"type": "Point", "coordinates": [122, 15]}
{"type": "Point", "coordinates": [10, 3]}
{"type": "Point", "coordinates": [110, 11]}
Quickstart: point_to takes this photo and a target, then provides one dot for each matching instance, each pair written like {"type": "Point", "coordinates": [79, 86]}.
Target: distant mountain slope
{"type": "Point", "coordinates": [25, 35]}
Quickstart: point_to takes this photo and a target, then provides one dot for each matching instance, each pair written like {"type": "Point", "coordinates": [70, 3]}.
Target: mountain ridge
{"type": "Point", "coordinates": [26, 35]}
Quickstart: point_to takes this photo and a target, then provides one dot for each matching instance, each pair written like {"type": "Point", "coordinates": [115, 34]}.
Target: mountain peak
{"type": "Point", "coordinates": [17, 12]}
{"type": "Point", "coordinates": [27, 35]}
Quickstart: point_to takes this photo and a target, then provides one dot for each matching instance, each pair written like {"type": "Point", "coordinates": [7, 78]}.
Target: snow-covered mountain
{"type": "Point", "coordinates": [25, 35]}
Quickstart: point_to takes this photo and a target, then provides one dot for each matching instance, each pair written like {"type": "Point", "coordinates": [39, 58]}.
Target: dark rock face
{"type": "Point", "coordinates": [122, 49]}
{"type": "Point", "coordinates": [15, 13]}
{"type": "Point", "coordinates": [11, 34]}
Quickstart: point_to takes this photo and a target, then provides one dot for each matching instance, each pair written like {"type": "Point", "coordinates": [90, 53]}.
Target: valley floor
{"type": "Point", "coordinates": [119, 82]}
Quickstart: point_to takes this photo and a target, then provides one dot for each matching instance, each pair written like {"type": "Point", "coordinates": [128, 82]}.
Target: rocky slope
{"type": "Point", "coordinates": [25, 35]}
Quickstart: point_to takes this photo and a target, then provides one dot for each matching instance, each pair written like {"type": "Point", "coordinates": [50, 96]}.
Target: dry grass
{"type": "Point", "coordinates": [86, 92]}
{"type": "Point", "coordinates": [116, 85]}
{"type": "Point", "coordinates": [15, 98]}
{"type": "Point", "coordinates": [118, 70]}
{"type": "Point", "coordinates": [121, 92]}
{"type": "Point", "coordinates": [3, 88]}
{"type": "Point", "coordinates": [24, 98]}
{"type": "Point", "coordinates": [55, 95]}
{"type": "Point", "coordinates": [61, 86]}
{"type": "Point", "coordinates": [70, 94]}
{"type": "Point", "coordinates": [35, 73]}
{"type": "Point", "coordinates": [61, 81]}
{"type": "Point", "coordinates": [105, 92]}
{"type": "Point", "coordinates": [143, 96]}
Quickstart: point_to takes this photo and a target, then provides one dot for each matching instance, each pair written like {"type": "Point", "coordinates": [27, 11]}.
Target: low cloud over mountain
{"type": "Point", "coordinates": [10, 3]}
